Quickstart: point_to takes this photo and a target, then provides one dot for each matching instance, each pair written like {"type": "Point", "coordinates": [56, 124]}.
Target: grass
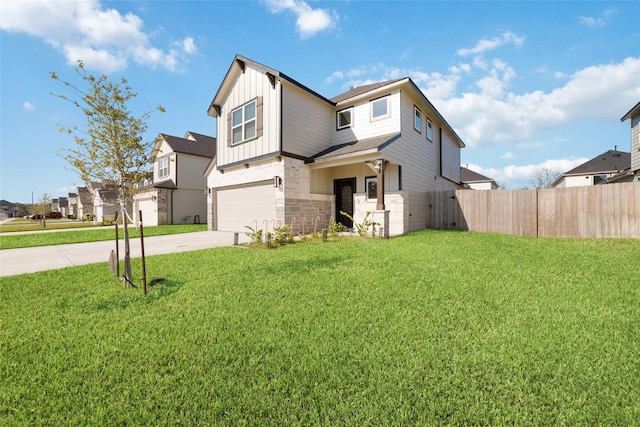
{"type": "Point", "coordinates": [13, 241]}
{"type": "Point", "coordinates": [21, 224]}
{"type": "Point", "coordinates": [429, 328]}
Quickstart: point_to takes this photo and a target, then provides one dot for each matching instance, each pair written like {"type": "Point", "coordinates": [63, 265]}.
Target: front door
{"type": "Point", "coordinates": [344, 189]}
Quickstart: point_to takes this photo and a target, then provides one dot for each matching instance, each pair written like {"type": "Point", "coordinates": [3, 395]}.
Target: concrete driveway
{"type": "Point", "coordinates": [31, 260]}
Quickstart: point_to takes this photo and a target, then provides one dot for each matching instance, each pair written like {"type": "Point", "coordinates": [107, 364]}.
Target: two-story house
{"type": "Point", "coordinates": [634, 116]}
{"type": "Point", "coordinates": [288, 155]}
{"type": "Point", "coordinates": [598, 170]}
{"type": "Point", "coordinates": [84, 203]}
{"type": "Point", "coordinates": [105, 201]}
{"type": "Point", "coordinates": [174, 192]}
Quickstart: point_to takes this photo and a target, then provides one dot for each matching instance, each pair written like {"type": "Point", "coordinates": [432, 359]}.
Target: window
{"type": "Point", "coordinates": [243, 123]}
{"type": "Point", "coordinates": [380, 108]}
{"type": "Point", "coordinates": [429, 130]}
{"type": "Point", "coordinates": [371, 187]}
{"type": "Point", "coordinates": [417, 121]}
{"type": "Point", "coordinates": [163, 167]}
{"type": "Point", "coordinates": [344, 118]}
{"type": "Point", "coordinates": [599, 178]}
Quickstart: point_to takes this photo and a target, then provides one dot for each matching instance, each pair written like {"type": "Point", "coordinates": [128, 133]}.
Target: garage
{"type": "Point", "coordinates": [149, 214]}
{"type": "Point", "coordinates": [241, 206]}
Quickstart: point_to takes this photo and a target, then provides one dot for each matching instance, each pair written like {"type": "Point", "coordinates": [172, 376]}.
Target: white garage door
{"type": "Point", "coordinates": [149, 214]}
{"type": "Point", "coordinates": [242, 206]}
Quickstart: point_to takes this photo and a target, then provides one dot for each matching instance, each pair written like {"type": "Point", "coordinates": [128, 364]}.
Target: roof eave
{"type": "Point", "coordinates": [632, 113]}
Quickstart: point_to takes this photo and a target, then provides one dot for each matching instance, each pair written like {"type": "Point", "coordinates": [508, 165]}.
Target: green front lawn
{"type": "Point", "coordinates": [13, 241]}
{"type": "Point", "coordinates": [429, 328]}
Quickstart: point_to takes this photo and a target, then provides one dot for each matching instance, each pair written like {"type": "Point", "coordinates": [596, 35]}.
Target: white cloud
{"type": "Point", "coordinates": [508, 155]}
{"type": "Point", "coordinates": [28, 106]}
{"type": "Point", "coordinates": [103, 39]}
{"type": "Point", "coordinates": [598, 21]}
{"type": "Point", "coordinates": [309, 21]}
{"type": "Point", "coordinates": [485, 45]}
{"type": "Point", "coordinates": [489, 116]}
{"type": "Point", "coordinates": [523, 174]}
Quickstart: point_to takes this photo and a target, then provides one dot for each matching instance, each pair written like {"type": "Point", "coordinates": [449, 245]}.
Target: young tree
{"type": "Point", "coordinates": [544, 178]}
{"type": "Point", "coordinates": [110, 149]}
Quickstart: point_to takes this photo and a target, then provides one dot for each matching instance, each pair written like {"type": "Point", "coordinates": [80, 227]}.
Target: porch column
{"type": "Point", "coordinates": [379, 167]}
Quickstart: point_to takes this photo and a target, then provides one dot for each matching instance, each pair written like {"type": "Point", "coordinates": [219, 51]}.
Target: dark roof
{"type": "Point", "coordinates": [353, 92]}
{"type": "Point", "coordinates": [85, 196]}
{"type": "Point", "coordinates": [609, 161]}
{"type": "Point", "coordinates": [635, 111]}
{"type": "Point", "coordinates": [354, 147]}
{"type": "Point", "coordinates": [467, 175]}
{"type": "Point", "coordinates": [187, 146]}
{"type": "Point", "coordinates": [165, 184]}
{"type": "Point", "coordinates": [206, 139]}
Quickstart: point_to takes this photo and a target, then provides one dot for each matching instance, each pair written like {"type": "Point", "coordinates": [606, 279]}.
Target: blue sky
{"type": "Point", "coordinates": [527, 85]}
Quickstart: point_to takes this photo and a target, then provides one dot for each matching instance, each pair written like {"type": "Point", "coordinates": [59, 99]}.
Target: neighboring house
{"type": "Point", "coordinates": [105, 201]}
{"type": "Point", "coordinates": [596, 171]}
{"type": "Point", "coordinates": [63, 203]}
{"type": "Point", "coordinates": [287, 155]}
{"type": "Point", "coordinates": [174, 193]}
{"type": "Point", "coordinates": [55, 205]}
{"type": "Point", "coordinates": [10, 208]}
{"type": "Point", "coordinates": [85, 203]}
{"type": "Point", "coordinates": [634, 115]}
{"type": "Point", "coordinates": [5, 213]}
{"type": "Point", "coordinates": [476, 181]}
{"type": "Point", "coordinates": [72, 208]}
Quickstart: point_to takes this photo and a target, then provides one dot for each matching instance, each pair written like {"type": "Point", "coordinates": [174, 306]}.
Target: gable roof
{"type": "Point", "coordinates": [85, 196]}
{"type": "Point", "coordinates": [205, 139]}
{"type": "Point", "coordinates": [635, 111]}
{"type": "Point", "coordinates": [356, 91]}
{"type": "Point", "coordinates": [467, 175]}
{"type": "Point", "coordinates": [202, 146]}
{"type": "Point", "coordinates": [237, 66]}
{"type": "Point", "coordinates": [609, 162]}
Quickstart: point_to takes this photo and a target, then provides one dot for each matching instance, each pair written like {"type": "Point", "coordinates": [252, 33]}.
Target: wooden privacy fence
{"type": "Point", "coordinates": [611, 210]}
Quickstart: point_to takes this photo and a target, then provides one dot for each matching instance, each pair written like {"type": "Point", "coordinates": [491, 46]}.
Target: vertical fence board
{"type": "Point", "coordinates": [590, 211]}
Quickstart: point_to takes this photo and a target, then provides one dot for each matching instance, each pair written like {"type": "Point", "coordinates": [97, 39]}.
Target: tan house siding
{"type": "Point", "coordinates": [307, 122]}
{"type": "Point", "coordinates": [363, 126]}
{"type": "Point", "coordinates": [450, 157]}
{"type": "Point", "coordinates": [635, 143]}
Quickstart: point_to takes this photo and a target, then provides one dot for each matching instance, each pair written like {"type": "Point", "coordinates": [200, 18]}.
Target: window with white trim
{"type": "Point", "coordinates": [417, 119]}
{"type": "Point", "coordinates": [243, 123]}
{"type": "Point", "coordinates": [371, 187]}
{"type": "Point", "coordinates": [429, 130]}
{"type": "Point", "coordinates": [344, 118]}
{"type": "Point", "coordinates": [379, 108]}
{"type": "Point", "coordinates": [163, 167]}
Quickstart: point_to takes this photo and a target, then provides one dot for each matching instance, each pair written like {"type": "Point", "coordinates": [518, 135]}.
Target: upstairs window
{"type": "Point", "coordinates": [417, 120]}
{"type": "Point", "coordinates": [429, 130]}
{"type": "Point", "coordinates": [243, 123]}
{"type": "Point", "coordinates": [163, 168]}
{"type": "Point", "coordinates": [344, 118]}
{"type": "Point", "coordinates": [380, 108]}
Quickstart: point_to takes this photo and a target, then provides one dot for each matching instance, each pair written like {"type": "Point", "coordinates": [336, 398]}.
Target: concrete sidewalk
{"type": "Point", "coordinates": [41, 258]}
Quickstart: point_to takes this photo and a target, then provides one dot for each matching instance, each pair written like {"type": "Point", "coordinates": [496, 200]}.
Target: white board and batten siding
{"type": "Point", "coordinates": [247, 205]}
{"type": "Point", "coordinates": [250, 85]}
